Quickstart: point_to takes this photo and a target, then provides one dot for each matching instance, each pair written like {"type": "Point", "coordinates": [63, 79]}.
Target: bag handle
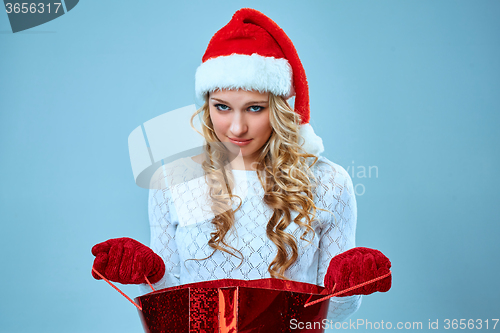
{"type": "Point", "coordinates": [345, 290]}
{"type": "Point", "coordinates": [121, 292]}
{"type": "Point", "coordinates": [305, 305]}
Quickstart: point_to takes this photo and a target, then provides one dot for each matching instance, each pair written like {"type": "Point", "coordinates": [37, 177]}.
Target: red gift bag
{"type": "Point", "coordinates": [233, 306]}
{"type": "Point", "coordinates": [236, 306]}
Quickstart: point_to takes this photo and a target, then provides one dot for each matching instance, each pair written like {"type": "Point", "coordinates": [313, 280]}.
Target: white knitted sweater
{"type": "Point", "coordinates": [180, 230]}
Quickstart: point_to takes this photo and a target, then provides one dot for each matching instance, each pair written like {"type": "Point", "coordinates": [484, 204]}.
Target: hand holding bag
{"type": "Point", "coordinates": [126, 261]}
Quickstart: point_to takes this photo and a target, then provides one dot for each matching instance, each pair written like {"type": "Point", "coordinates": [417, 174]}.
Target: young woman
{"type": "Point", "coordinates": [260, 201]}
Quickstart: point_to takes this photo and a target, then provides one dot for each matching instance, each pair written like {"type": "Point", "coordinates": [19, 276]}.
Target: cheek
{"type": "Point", "coordinates": [218, 122]}
{"type": "Point", "coordinates": [264, 126]}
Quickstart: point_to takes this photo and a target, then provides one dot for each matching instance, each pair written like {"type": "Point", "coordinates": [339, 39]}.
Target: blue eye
{"type": "Point", "coordinates": [260, 108]}
{"type": "Point", "coordinates": [221, 107]}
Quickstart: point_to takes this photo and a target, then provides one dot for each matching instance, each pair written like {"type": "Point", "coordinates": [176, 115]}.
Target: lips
{"type": "Point", "coordinates": [240, 143]}
{"type": "Point", "coordinates": [240, 140]}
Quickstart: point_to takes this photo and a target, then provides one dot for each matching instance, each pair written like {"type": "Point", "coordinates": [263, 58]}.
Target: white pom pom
{"type": "Point", "coordinates": [311, 143]}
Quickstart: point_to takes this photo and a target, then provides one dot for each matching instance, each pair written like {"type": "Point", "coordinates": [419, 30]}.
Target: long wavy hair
{"type": "Point", "coordinates": [284, 171]}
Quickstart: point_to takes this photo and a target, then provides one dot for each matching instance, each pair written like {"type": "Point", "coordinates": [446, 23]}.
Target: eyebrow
{"type": "Point", "coordinates": [252, 102]}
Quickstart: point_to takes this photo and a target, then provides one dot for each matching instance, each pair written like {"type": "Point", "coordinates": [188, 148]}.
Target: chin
{"type": "Point", "coordinates": [243, 151]}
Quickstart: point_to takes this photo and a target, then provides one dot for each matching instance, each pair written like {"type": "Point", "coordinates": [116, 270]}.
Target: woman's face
{"type": "Point", "coordinates": [241, 121]}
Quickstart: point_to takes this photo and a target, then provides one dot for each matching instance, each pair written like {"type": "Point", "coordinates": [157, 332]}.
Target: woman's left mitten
{"type": "Point", "coordinates": [355, 266]}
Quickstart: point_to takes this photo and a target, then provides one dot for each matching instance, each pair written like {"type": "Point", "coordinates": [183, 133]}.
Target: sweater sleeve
{"type": "Point", "coordinates": [163, 226]}
{"type": "Point", "coordinates": [338, 233]}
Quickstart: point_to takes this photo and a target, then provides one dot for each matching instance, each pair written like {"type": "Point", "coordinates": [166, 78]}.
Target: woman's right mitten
{"type": "Point", "coordinates": [127, 261]}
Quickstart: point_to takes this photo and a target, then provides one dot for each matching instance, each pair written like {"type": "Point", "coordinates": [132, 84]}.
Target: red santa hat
{"type": "Point", "coordinates": [252, 52]}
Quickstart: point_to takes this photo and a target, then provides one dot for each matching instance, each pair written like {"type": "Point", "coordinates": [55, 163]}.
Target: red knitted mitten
{"type": "Point", "coordinates": [127, 261]}
{"type": "Point", "coordinates": [355, 266]}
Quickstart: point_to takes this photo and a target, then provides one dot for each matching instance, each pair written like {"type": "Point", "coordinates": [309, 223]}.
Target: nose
{"type": "Point", "coordinates": [238, 124]}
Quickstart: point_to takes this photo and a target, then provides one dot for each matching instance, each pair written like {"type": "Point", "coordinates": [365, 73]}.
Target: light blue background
{"type": "Point", "coordinates": [408, 87]}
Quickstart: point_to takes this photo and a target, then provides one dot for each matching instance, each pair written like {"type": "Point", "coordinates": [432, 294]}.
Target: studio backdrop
{"type": "Point", "coordinates": [403, 93]}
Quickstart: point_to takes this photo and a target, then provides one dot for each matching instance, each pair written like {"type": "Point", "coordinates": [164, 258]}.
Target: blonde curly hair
{"type": "Point", "coordinates": [284, 171]}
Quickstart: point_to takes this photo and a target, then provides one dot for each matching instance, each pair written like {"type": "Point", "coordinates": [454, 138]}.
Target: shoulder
{"type": "Point", "coordinates": [334, 190]}
{"type": "Point", "coordinates": [198, 158]}
{"type": "Point", "coordinates": [169, 174]}
{"type": "Point", "coordinates": [327, 171]}
{"type": "Point", "coordinates": [333, 183]}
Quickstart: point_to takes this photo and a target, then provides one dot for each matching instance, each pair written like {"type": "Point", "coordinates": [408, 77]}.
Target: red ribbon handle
{"type": "Point", "coordinates": [121, 292]}
{"type": "Point", "coordinates": [305, 305]}
{"type": "Point", "coordinates": [346, 290]}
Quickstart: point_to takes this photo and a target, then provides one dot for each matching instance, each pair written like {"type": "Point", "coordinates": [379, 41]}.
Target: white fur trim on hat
{"type": "Point", "coordinates": [312, 143]}
{"type": "Point", "coordinates": [239, 71]}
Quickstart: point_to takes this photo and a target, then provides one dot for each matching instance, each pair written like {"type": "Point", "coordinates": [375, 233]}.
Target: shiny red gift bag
{"type": "Point", "coordinates": [233, 306]}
